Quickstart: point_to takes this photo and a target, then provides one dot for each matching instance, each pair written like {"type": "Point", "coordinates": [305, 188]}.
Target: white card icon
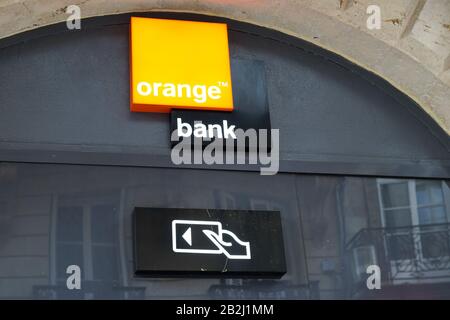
{"type": "Point", "coordinates": [207, 237]}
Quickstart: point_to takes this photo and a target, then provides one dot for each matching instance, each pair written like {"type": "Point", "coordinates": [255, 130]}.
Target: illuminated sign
{"type": "Point", "coordinates": [171, 242]}
{"type": "Point", "coordinates": [179, 65]}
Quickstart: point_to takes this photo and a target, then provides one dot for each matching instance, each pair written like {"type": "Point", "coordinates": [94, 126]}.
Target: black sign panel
{"type": "Point", "coordinates": [251, 107]}
{"type": "Point", "coordinates": [208, 243]}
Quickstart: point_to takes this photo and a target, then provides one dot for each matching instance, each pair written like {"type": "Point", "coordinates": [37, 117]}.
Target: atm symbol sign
{"type": "Point", "coordinates": [207, 237]}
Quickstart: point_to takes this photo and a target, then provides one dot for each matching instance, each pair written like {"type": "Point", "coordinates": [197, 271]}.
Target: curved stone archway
{"type": "Point", "coordinates": [411, 50]}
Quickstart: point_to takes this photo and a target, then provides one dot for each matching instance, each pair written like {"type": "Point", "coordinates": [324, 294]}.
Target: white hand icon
{"type": "Point", "coordinates": [234, 245]}
{"type": "Point", "coordinates": [224, 241]}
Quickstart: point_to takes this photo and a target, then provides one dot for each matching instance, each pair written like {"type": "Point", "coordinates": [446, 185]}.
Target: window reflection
{"type": "Point", "coordinates": [52, 216]}
{"type": "Point", "coordinates": [412, 243]}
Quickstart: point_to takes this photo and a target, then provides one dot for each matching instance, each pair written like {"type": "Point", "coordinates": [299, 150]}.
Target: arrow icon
{"type": "Point", "coordinates": [188, 236]}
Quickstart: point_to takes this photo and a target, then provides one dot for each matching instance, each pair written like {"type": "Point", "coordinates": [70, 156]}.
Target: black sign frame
{"type": "Point", "coordinates": [155, 244]}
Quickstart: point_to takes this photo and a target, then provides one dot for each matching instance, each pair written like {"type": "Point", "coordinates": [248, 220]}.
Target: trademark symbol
{"type": "Point", "coordinates": [223, 84]}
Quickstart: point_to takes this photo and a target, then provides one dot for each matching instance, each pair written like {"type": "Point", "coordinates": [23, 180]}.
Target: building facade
{"type": "Point", "coordinates": [364, 172]}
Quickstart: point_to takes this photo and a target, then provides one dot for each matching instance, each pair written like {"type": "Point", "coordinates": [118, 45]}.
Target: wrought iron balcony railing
{"type": "Point", "coordinates": [404, 254]}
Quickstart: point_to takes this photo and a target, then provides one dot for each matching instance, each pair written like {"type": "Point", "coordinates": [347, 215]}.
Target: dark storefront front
{"type": "Point", "coordinates": [364, 173]}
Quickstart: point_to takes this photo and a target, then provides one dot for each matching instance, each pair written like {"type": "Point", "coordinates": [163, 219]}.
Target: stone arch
{"type": "Point", "coordinates": [415, 61]}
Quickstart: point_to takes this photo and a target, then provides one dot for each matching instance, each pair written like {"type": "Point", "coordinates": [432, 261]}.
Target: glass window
{"type": "Point", "coordinates": [333, 227]}
{"type": "Point", "coordinates": [395, 195]}
{"type": "Point", "coordinates": [70, 224]}
{"type": "Point", "coordinates": [86, 236]}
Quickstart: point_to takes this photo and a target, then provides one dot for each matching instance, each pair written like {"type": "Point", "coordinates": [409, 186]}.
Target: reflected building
{"type": "Point", "coordinates": [334, 228]}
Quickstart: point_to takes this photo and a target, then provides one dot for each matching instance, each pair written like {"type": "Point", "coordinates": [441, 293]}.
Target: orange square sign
{"type": "Point", "coordinates": [179, 64]}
